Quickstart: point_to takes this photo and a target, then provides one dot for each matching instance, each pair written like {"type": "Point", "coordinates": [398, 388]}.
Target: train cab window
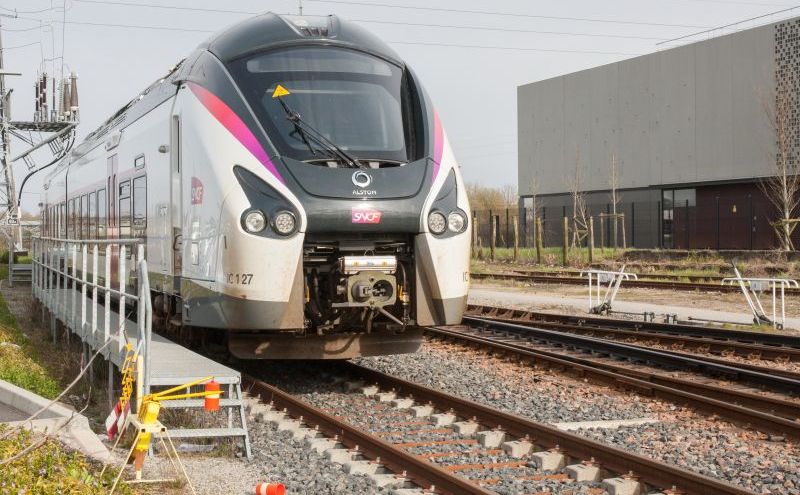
{"type": "Point", "coordinates": [140, 206]}
{"type": "Point", "coordinates": [71, 219]}
{"type": "Point", "coordinates": [124, 211]}
{"type": "Point", "coordinates": [101, 214]}
{"type": "Point", "coordinates": [92, 216]}
{"type": "Point", "coordinates": [85, 216]}
{"type": "Point", "coordinates": [138, 162]}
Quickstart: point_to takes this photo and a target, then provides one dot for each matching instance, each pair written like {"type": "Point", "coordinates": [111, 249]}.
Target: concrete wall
{"type": "Point", "coordinates": [694, 113]}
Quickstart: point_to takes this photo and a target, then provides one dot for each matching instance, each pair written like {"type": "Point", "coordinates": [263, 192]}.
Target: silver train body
{"type": "Point", "coordinates": [295, 189]}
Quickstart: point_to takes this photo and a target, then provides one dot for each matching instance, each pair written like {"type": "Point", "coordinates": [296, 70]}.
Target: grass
{"type": "Point", "coordinates": [20, 359]}
{"type": "Point", "coordinates": [49, 469]}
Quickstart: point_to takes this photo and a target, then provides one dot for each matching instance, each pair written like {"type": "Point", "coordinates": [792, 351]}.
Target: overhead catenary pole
{"type": "Point", "coordinates": [12, 208]}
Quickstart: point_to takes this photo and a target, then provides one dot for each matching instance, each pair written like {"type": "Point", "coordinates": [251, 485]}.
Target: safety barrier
{"type": "Point", "coordinates": [597, 280]}
{"type": "Point", "coordinates": [753, 287]}
{"type": "Point", "coordinates": [60, 266]}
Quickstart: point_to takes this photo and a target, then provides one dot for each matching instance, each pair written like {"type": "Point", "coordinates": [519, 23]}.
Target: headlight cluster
{"type": "Point", "coordinates": [283, 223]}
{"type": "Point", "coordinates": [455, 222]}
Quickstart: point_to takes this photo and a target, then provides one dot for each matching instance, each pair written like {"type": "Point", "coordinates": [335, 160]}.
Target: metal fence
{"type": "Point", "coordinates": [62, 266]}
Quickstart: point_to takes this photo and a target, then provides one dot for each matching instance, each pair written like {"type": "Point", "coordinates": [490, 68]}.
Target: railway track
{"type": "Point", "coordinates": [462, 447]}
{"type": "Point", "coordinates": [754, 345]}
{"type": "Point", "coordinates": [641, 284]}
{"type": "Point", "coordinates": [771, 412]}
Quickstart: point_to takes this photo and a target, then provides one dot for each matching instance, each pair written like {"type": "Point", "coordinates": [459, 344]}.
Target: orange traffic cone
{"type": "Point", "coordinates": [270, 489]}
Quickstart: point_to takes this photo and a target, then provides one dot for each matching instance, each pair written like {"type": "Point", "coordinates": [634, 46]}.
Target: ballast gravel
{"type": "Point", "coordinates": [541, 394]}
{"type": "Point", "coordinates": [683, 437]}
{"type": "Point", "coordinates": [276, 458]}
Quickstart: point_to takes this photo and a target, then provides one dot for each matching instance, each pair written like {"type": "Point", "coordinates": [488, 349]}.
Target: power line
{"type": "Point", "coordinates": [453, 45]}
{"type": "Point", "coordinates": [169, 7]}
{"type": "Point", "coordinates": [437, 9]}
{"type": "Point", "coordinates": [21, 46]}
{"type": "Point", "coordinates": [508, 30]}
{"type": "Point", "coordinates": [507, 14]}
{"type": "Point", "coordinates": [729, 25]}
{"type": "Point", "coordinates": [512, 48]}
{"type": "Point", "coordinates": [377, 21]}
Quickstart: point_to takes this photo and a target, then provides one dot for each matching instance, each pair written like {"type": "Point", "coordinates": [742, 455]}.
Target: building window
{"type": "Point", "coordinates": [677, 214]}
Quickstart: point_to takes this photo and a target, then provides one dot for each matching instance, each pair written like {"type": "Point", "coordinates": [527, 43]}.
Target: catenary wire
{"type": "Point", "coordinates": [507, 14]}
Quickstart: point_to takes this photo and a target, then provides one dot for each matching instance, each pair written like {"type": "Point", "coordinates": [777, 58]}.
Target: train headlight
{"type": "Point", "coordinates": [254, 221]}
{"type": "Point", "coordinates": [456, 222]}
{"type": "Point", "coordinates": [284, 223]}
{"type": "Point", "coordinates": [437, 223]}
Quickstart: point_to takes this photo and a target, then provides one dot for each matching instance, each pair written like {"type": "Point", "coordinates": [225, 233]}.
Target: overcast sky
{"type": "Point", "coordinates": [118, 47]}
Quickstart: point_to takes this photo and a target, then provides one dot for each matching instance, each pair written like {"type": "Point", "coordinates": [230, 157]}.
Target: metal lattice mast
{"type": "Point", "coordinates": [8, 188]}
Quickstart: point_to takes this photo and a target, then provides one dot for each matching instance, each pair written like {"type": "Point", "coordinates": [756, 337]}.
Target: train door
{"type": "Point", "coordinates": [112, 228]}
{"type": "Point", "coordinates": [176, 202]}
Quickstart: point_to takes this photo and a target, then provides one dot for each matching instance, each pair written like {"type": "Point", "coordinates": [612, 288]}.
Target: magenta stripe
{"type": "Point", "coordinates": [438, 143]}
{"type": "Point", "coordinates": [234, 125]}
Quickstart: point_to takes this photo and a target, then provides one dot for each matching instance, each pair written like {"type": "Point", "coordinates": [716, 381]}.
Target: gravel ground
{"type": "Point", "coordinates": [714, 447]}
{"type": "Point", "coordinates": [276, 458]}
{"type": "Point", "coordinates": [543, 395]}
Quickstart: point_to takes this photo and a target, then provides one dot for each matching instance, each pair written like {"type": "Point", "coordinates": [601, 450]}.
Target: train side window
{"type": "Point", "coordinates": [101, 214]}
{"type": "Point", "coordinates": [62, 229]}
{"type": "Point", "coordinates": [92, 216]}
{"type": "Point", "coordinates": [124, 211]}
{"type": "Point", "coordinates": [85, 216]}
{"type": "Point", "coordinates": [140, 206]}
{"type": "Point", "coordinates": [78, 219]}
{"type": "Point", "coordinates": [71, 219]}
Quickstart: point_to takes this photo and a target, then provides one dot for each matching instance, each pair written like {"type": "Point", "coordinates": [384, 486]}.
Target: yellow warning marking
{"type": "Point", "coordinates": [280, 91]}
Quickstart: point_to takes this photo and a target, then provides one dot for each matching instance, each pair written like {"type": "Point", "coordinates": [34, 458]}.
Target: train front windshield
{"type": "Point", "coordinates": [358, 102]}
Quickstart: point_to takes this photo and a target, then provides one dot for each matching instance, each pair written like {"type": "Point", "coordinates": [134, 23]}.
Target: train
{"type": "Point", "coordinates": [294, 188]}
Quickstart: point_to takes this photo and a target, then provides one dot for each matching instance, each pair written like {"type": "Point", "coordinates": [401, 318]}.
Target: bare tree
{"type": "Point", "coordinates": [510, 195]}
{"type": "Point", "coordinates": [580, 217]}
{"type": "Point", "coordinates": [782, 187]}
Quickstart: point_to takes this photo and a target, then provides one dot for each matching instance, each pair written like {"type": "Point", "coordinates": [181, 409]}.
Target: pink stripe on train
{"type": "Point", "coordinates": [234, 125]}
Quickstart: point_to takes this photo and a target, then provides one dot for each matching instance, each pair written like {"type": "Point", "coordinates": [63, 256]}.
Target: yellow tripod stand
{"type": "Point", "coordinates": [146, 424]}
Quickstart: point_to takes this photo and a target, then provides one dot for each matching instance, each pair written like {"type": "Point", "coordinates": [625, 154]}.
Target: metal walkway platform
{"type": "Point", "coordinates": [171, 363]}
{"type": "Point", "coordinates": [91, 312]}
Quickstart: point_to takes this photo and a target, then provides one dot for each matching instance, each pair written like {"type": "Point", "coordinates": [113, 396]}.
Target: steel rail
{"type": "Point", "coordinates": [639, 284]}
{"type": "Point", "coordinates": [784, 410]}
{"type": "Point", "coordinates": [772, 339]}
{"type": "Point", "coordinates": [707, 344]}
{"type": "Point", "coordinates": [417, 469]}
{"type": "Point", "coordinates": [617, 460]}
{"type": "Point", "coordinates": [651, 356]}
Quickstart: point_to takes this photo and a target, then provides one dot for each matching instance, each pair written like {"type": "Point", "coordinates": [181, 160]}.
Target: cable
{"type": "Point", "coordinates": [454, 45]}
{"type": "Point", "coordinates": [22, 46]}
{"type": "Point", "coordinates": [512, 48]}
{"type": "Point", "coordinates": [375, 21]}
{"type": "Point", "coordinates": [30, 11]}
{"type": "Point", "coordinates": [729, 25]}
{"type": "Point", "coordinates": [506, 30]}
{"type": "Point", "coordinates": [506, 14]}
{"type": "Point", "coordinates": [169, 7]}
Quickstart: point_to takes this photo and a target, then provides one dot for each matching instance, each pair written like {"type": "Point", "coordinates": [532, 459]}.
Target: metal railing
{"type": "Point", "coordinates": [753, 287]}
{"type": "Point", "coordinates": [597, 279]}
{"type": "Point", "coordinates": [61, 264]}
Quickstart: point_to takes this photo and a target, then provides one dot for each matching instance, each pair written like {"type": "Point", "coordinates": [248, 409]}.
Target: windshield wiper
{"type": "Point", "coordinates": [308, 133]}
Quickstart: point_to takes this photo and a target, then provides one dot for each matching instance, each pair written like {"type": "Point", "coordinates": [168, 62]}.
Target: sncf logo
{"type": "Point", "coordinates": [361, 215]}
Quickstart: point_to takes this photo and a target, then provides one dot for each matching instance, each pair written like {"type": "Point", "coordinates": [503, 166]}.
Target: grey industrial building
{"type": "Point", "coordinates": [692, 130]}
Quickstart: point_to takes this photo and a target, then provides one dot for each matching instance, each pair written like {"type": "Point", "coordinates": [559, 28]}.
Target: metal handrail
{"type": "Point", "coordinates": [56, 264]}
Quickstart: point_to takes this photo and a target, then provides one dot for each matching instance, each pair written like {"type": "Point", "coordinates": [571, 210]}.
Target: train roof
{"type": "Point", "coordinates": [271, 30]}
